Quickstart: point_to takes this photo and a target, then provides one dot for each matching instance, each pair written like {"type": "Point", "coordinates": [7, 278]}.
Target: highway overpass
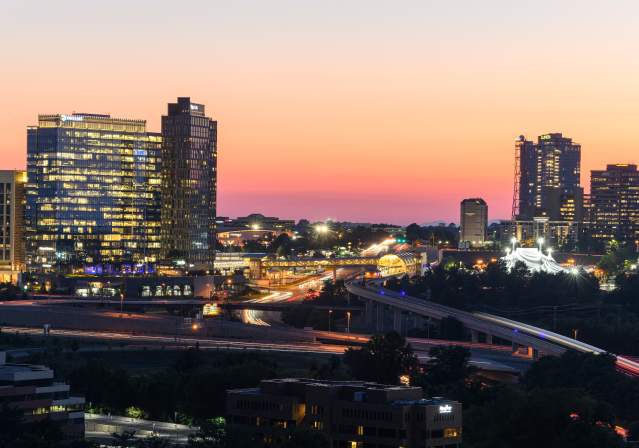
{"type": "Point", "coordinates": [386, 310]}
{"type": "Point", "coordinates": [389, 264]}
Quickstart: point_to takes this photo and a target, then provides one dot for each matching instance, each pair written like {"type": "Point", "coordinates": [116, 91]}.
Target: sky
{"type": "Point", "coordinates": [375, 111]}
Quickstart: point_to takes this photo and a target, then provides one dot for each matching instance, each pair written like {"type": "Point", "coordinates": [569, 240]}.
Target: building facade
{"type": "Point", "coordinates": [93, 191]}
{"type": "Point", "coordinates": [614, 203]}
{"type": "Point", "coordinates": [12, 243]}
{"type": "Point", "coordinates": [557, 235]}
{"type": "Point", "coordinates": [474, 222]}
{"type": "Point", "coordinates": [352, 414]}
{"type": "Point", "coordinates": [189, 183]}
{"type": "Point", "coordinates": [547, 177]}
{"type": "Point", "coordinates": [33, 390]}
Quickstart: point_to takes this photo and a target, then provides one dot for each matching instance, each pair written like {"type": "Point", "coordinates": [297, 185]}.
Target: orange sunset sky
{"type": "Point", "coordinates": [355, 110]}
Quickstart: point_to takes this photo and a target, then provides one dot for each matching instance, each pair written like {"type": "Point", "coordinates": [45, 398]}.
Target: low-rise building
{"type": "Point", "coordinates": [352, 414]}
{"type": "Point", "coordinates": [32, 390]}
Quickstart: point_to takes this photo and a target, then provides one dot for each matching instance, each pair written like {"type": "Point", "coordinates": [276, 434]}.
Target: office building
{"type": "Point", "coordinates": [614, 203]}
{"type": "Point", "coordinates": [352, 414]}
{"type": "Point", "coordinates": [93, 191]}
{"type": "Point", "coordinates": [547, 176]}
{"type": "Point", "coordinates": [474, 222]}
{"type": "Point", "coordinates": [258, 221]}
{"type": "Point", "coordinates": [189, 183]}
{"type": "Point", "coordinates": [33, 390]}
{"type": "Point", "coordinates": [558, 235]}
{"type": "Point", "coordinates": [12, 244]}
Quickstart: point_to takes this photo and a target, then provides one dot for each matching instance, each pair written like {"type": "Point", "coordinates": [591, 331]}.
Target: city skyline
{"type": "Point", "coordinates": [449, 93]}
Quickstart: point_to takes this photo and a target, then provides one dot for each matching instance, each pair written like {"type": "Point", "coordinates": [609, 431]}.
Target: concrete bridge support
{"type": "Point", "coordinates": [397, 321]}
{"type": "Point", "coordinates": [379, 318]}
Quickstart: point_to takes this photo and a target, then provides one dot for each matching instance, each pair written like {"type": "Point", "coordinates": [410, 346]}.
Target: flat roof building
{"type": "Point", "coordinates": [32, 390]}
{"type": "Point", "coordinates": [352, 414]}
{"type": "Point", "coordinates": [473, 222]}
{"type": "Point", "coordinates": [93, 191]}
{"type": "Point", "coordinates": [614, 203]}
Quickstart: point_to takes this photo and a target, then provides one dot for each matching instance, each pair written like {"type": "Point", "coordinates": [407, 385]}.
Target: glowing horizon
{"type": "Point", "coordinates": [351, 110]}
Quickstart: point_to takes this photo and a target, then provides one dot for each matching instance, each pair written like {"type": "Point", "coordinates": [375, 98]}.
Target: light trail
{"type": "Point", "coordinates": [253, 317]}
{"type": "Point", "coordinates": [203, 342]}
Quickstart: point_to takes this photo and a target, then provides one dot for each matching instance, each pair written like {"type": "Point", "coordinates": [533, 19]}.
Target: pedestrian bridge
{"type": "Point", "coordinates": [389, 264]}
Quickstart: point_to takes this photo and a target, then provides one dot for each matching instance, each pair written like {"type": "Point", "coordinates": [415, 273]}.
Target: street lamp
{"type": "Point", "coordinates": [321, 228]}
{"type": "Point", "coordinates": [329, 319]}
{"type": "Point", "coordinates": [540, 242]}
{"type": "Point", "coordinates": [348, 321]}
{"type": "Point", "coordinates": [507, 251]}
{"type": "Point", "coordinates": [549, 250]}
{"type": "Point", "coordinates": [513, 241]}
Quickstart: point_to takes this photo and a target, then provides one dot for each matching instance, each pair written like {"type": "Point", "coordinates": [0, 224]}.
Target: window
{"type": "Point", "coordinates": [451, 432]}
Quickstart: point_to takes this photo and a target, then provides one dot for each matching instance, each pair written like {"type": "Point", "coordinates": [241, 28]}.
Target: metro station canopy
{"type": "Point", "coordinates": [535, 260]}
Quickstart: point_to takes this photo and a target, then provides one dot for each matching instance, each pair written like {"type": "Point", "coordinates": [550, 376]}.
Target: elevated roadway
{"type": "Point", "coordinates": [536, 340]}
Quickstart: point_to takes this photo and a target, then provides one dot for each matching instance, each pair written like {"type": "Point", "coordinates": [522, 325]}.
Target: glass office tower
{"type": "Point", "coordinates": [93, 191]}
{"type": "Point", "coordinates": [189, 184]}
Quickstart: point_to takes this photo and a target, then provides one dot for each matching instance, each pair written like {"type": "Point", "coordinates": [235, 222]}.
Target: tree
{"type": "Point", "coordinates": [383, 359]}
{"type": "Point", "coordinates": [413, 232]}
{"type": "Point", "coordinates": [281, 245]}
{"type": "Point", "coordinates": [552, 418]}
{"type": "Point", "coordinates": [446, 371]}
{"type": "Point", "coordinates": [125, 439]}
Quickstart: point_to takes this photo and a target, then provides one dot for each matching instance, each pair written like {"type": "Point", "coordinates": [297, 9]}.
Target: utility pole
{"type": "Point", "coordinates": [329, 319]}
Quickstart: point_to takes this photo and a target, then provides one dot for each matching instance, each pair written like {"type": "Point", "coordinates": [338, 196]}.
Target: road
{"type": "Point", "coordinates": [292, 294]}
{"type": "Point", "coordinates": [526, 335]}
{"type": "Point", "coordinates": [100, 428]}
{"type": "Point", "coordinates": [498, 361]}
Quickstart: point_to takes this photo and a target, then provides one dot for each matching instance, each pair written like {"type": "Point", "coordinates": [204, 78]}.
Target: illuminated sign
{"type": "Point", "coordinates": [445, 409]}
{"type": "Point", "coordinates": [71, 118]}
{"type": "Point", "coordinates": [195, 107]}
{"type": "Point", "coordinates": [210, 309]}
{"type": "Point", "coordinates": [545, 137]}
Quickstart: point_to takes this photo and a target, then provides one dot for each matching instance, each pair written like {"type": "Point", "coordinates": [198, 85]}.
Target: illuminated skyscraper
{"type": "Point", "coordinates": [189, 184]}
{"type": "Point", "coordinates": [547, 176]}
{"type": "Point", "coordinates": [12, 247]}
{"type": "Point", "coordinates": [614, 197]}
{"type": "Point", "coordinates": [93, 191]}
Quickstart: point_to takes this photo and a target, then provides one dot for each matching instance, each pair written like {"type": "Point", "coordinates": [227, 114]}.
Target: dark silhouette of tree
{"type": "Point", "coordinates": [383, 359]}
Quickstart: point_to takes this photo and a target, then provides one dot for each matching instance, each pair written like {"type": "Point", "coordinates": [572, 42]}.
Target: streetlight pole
{"type": "Point", "coordinates": [513, 241]}
{"type": "Point", "coordinates": [329, 319]}
{"type": "Point", "coordinates": [540, 242]}
{"type": "Point", "coordinates": [348, 321]}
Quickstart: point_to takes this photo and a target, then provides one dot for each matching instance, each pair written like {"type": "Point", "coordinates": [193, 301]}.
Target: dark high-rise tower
{"type": "Point", "coordinates": [525, 178]}
{"type": "Point", "coordinates": [615, 202]}
{"type": "Point", "coordinates": [473, 223]}
{"type": "Point", "coordinates": [189, 183]}
{"type": "Point", "coordinates": [547, 175]}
